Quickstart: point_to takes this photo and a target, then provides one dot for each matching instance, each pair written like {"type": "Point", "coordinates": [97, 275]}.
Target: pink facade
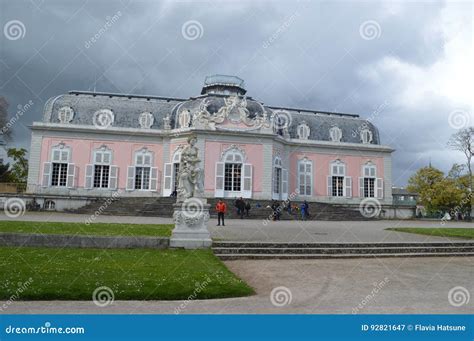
{"type": "Point", "coordinates": [82, 153]}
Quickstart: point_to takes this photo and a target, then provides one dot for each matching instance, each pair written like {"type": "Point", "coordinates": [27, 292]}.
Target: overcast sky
{"type": "Point", "coordinates": [407, 66]}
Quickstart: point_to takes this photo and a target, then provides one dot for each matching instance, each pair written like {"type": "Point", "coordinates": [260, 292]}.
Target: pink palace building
{"type": "Point", "coordinates": [91, 145]}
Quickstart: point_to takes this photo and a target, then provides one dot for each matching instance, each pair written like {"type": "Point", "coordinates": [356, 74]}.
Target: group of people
{"type": "Point", "coordinates": [243, 209]}
{"type": "Point", "coordinates": [295, 210]}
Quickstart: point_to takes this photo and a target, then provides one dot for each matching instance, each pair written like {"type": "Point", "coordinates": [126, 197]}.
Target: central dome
{"type": "Point", "coordinates": [223, 85]}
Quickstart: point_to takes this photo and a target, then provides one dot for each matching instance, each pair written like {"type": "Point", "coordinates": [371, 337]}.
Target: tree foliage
{"type": "Point", "coordinates": [19, 168]}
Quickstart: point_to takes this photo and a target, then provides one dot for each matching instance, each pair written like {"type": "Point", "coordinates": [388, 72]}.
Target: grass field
{"type": "Point", "coordinates": [99, 229]}
{"type": "Point", "coordinates": [132, 274]}
{"type": "Point", "coordinates": [467, 233]}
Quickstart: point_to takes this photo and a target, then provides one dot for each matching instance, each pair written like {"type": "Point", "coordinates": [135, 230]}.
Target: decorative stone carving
{"type": "Point", "coordinates": [146, 120]}
{"type": "Point", "coordinates": [167, 122]}
{"type": "Point", "coordinates": [65, 115]}
{"type": "Point", "coordinates": [234, 109]}
{"type": "Point", "coordinates": [236, 148]}
{"type": "Point", "coordinates": [190, 179]}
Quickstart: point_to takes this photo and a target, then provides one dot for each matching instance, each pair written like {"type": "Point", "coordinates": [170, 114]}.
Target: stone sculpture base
{"type": "Point", "coordinates": [190, 220]}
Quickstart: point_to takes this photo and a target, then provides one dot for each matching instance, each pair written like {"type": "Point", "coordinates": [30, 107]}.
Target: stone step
{"type": "Point", "coordinates": [334, 256]}
{"type": "Point", "coordinates": [284, 245]}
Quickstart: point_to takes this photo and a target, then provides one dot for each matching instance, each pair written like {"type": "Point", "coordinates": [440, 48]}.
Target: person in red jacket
{"type": "Point", "coordinates": [221, 209]}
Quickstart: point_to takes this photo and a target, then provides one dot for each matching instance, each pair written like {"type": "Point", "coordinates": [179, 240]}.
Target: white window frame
{"type": "Point", "coordinates": [305, 161]}
{"type": "Point", "coordinates": [338, 168]}
{"type": "Point", "coordinates": [335, 134]}
{"type": "Point", "coordinates": [303, 131]}
{"type": "Point", "coordinates": [59, 154]}
{"type": "Point", "coordinates": [234, 156]}
{"type": "Point", "coordinates": [113, 170]}
{"type": "Point", "coordinates": [143, 158]}
{"type": "Point", "coordinates": [277, 166]}
{"type": "Point", "coordinates": [366, 136]}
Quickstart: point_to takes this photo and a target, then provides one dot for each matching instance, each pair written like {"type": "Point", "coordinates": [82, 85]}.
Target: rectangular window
{"type": "Point", "coordinates": [59, 174]}
{"type": "Point", "coordinates": [304, 177]}
{"type": "Point", "coordinates": [142, 178]}
{"type": "Point", "coordinates": [232, 177]}
{"type": "Point", "coordinates": [101, 176]}
{"type": "Point", "coordinates": [369, 187]}
{"type": "Point", "coordinates": [176, 173]}
{"type": "Point", "coordinates": [277, 181]}
{"type": "Point", "coordinates": [337, 186]}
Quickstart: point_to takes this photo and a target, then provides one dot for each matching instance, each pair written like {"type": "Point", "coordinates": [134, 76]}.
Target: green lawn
{"type": "Point", "coordinates": [467, 233]}
{"type": "Point", "coordinates": [98, 229]}
{"type": "Point", "coordinates": [132, 274]}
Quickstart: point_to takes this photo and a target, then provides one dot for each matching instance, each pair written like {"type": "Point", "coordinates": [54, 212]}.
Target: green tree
{"type": "Point", "coordinates": [423, 182]}
{"type": "Point", "coordinates": [19, 168]}
{"type": "Point", "coordinates": [5, 175]}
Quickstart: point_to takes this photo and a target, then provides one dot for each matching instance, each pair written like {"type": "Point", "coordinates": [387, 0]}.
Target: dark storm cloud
{"type": "Point", "coordinates": [305, 54]}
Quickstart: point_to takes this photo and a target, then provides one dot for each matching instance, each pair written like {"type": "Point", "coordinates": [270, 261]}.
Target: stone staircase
{"type": "Point", "coordinates": [265, 250]}
{"type": "Point", "coordinates": [163, 207]}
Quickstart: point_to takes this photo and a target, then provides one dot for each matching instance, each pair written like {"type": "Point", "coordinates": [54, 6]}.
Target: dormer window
{"type": "Point", "coordinates": [335, 133]}
{"type": "Point", "coordinates": [146, 120]}
{"type": "Point", "coordinates": [366, 136]}
{"type": "Point", "coordinates": [303, 131]}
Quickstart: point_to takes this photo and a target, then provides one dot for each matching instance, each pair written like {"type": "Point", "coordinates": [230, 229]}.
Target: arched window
{"type": "Point", "coordinates": [102, 174]}
{"type": "Point", "coordinates": [339, 185]}
{"type": "Point", "coordinates": [146, 120]}
{"type": "Point", "coordinates": [233, 175]}
{"type": "Point", "coordinates": [369, 185]}
{"type": "Point", "coordinates": [335, 133]}
{"type": "Point", "coordinates": [171, 171]}
{"type": "Point", "coordinates": [366, 136]}
{"type": "Point", "coordinates": [305, 177]}
{"type": "Point", "coordinates": [184, 118]}
{"type": "Point", "coordinates": [142, 176]}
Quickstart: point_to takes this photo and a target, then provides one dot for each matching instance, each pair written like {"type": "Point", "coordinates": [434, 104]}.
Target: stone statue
{"type": "Point", "coordinates": [190, 179]}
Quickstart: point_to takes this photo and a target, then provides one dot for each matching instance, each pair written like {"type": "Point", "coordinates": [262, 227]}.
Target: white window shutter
{"type": "Point", "coordinates": [154, 179]}
{"type": "Point", "coordinates": [113, 177]}
{"type": "Point", "coordinates": [247, 180]}
{"type": "Point", "coordinates": [348, 186]}
{"type": "Point", "coordinates": [71, 175]}
{"type": "Point", "coordinates": [219, 185]}
{"type": "Point", "coordinates": [361, 187]}
{"type": "Point", "coordinates": [46, 174]}
{"type": "Point", "coordinates": [130, 178]}
{"type": "Point", "coordinates": [329, 181]}
{"type": "Point", "coordinates": [167, 179]}
{"type": "Point", "coordinates": [89, 176]}
{"type": "Point", "coordinates": [379, 188]}
{"type": "Point", "coordinates": [284, 183]}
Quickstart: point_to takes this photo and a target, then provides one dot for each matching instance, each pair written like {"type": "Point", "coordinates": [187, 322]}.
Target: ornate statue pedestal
{"type": "Point", "coordinates": [190, 218]}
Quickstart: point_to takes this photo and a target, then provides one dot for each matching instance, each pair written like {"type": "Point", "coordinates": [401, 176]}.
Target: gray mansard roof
{"type": "Point", "coordinates": [127, 108]}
